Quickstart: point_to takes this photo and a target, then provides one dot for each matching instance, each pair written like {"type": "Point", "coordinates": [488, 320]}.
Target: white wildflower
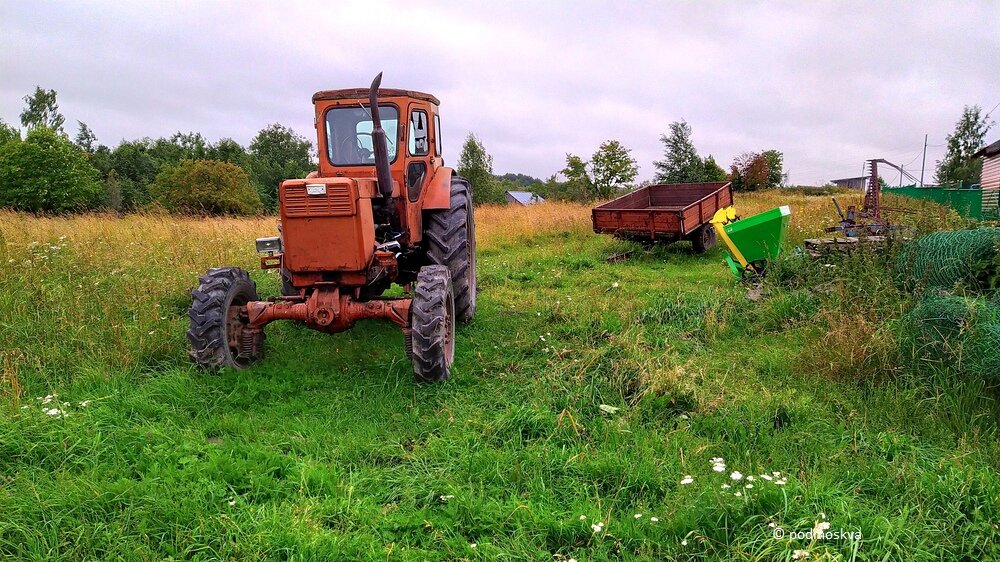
{"type": "Point", "coordinates": [719, 467]}
{"type": "Point", "coordinates": [25, 407]}
{"type": "Point", "coordinates": [614, 285]}
{"type": "Point", "coordinates": [85, 403]}
{"type": "Point", "coordinates": [765, 476]}
{"type": "Point", "coordinates": [684, 542]}
{"type": "Point", "coordinates": [750, 477]}
{"type": "Point", "coordinates": [736, 475]}
{"type": "Point", "coordinates": [55, 412]}
{"type": "Point", "coordinates": [583, 518]}
{"type": "Point", "coordinates": [687, 479]}
{"type": "Point", "coordinates": [771, 525]}
{"type": "Point", "coordinates": [638, 516]}
{"type": "Point", "coordinates": [446, 498]}
{"type": "Point", "coordinates": [800, 555]}
{"type": "Point", "coordinates": [725, 486]}
{"type": "Point", "coordinates": [654, 519]}
{"type": "Point", "coordinates": [738, 494]}
{"type": "Point", "coordinates": [748, 486]}
{"type": "Point", "coordinates": [597, 527]}
{"type": "Point", "coordinates": [232, 502]}
{"type": "Point", "coordinates": [472, 545]}
{"type": "Point", "coordinates": [780, 482]}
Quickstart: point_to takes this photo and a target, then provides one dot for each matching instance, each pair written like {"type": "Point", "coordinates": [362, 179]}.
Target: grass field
{"type": "Point", "coordinates": [638, 410]}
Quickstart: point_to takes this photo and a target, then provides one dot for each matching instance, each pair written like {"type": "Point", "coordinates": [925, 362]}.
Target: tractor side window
{"type": "Point", "coordinates": [437, 134]}
{"type": "Point", "coordinates": [418, 133]}
{"type": "Point", "coordinates": [349, 134]}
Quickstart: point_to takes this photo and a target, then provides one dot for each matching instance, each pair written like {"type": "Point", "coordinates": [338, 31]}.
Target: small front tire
{"type": "Point", "coordinates": [218, 325]}
{"type": "Point", "coordinates": [432, 324]}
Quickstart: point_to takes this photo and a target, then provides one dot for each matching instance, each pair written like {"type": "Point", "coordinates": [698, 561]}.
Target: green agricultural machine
{"type": "Point", "coordinates": [752, 242]}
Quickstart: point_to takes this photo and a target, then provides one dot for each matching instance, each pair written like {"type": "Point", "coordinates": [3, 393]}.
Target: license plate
{"type": "Point", "coordinates": [316, 189]}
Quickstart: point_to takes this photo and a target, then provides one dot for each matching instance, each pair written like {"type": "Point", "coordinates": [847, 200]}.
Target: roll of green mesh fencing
{"type": "Point", "coordinates": [958, 259]}
{"type": "Point", "coordinates": [962, 333]}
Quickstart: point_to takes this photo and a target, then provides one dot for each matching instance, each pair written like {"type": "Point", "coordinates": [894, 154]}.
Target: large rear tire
{"type": "Point", "coordinates": [432, 324]}
{"type": "Point", "coordinates": [218, 320]}
{"type": "Point", "coordinates": [451, 241]}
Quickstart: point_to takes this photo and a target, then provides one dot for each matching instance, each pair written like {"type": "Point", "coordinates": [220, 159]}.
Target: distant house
{"type": "Point", "coordinates": [523, 198]}
{"type": "Point", "coordinates": [852, 183]}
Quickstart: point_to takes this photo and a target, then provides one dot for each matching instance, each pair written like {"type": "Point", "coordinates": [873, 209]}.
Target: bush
{"type": "Point", "coordinates": [47, 173]}
{"type": "Point", "coordinates": [205, 187]}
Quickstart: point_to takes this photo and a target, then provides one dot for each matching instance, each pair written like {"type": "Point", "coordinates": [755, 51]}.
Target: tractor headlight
{"type": "Point", "coordinates": [269, 245]}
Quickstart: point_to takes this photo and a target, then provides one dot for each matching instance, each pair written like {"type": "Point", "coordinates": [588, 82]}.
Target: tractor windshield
{"type": "Point", "coordinates": [349, 134]}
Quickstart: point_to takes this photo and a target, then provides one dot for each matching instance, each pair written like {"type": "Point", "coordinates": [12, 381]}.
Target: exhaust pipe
{"type": "Point", "coordinates": [379, 142]}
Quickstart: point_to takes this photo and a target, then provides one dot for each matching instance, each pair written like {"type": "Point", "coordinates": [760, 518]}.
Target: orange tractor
{"type": "Point", "coordinates": [380, 209]}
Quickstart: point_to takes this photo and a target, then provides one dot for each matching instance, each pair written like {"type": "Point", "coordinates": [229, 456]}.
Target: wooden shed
{"type": "Point", "coordinates": [990, 178]}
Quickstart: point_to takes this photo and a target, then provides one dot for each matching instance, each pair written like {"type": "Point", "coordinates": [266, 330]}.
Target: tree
{"type": "Point", "coordinates": [135, 169]}
{"type": "Point", "coordinates": [680, 163]}
{"type": "Point", "coordinates": [476, 165]}
{"type": "Point", "coordinates": [711, 171]}
{"type": "Point", "coordinates": [958, 164]}
{"type": "Point", "coordinates": [750, 171]}
{"type": "Point", "coordinates": [205, 187]}
{"type": "Point", "coordinates": [42, 111]}
{"type": "Point", "coordinates": [228, 150]}
{"type": "Point", "coordinates": [8, 133]}
{"type": "Point", "coordinates": [47, 173]}
{"type": "Point", "coordinates": [85, 138]}
{"type": "Point", "coordinates": [277, 154]}
{"type": "Point", "coordinates": [776, 177]}
{"type": "Point", "coordinates": [578, 186]}
{"type": "Point", "coordinates": [612, 169]}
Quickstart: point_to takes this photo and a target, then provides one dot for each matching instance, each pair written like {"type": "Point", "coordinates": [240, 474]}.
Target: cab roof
{"type": "Point", "coordinates": [362, 94]}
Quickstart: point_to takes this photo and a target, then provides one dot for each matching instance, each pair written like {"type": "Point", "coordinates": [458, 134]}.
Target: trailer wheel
{"type": "Point", "coordinates": [451, 241]}
{"type": "Point", "coordinates": [703, 239]}
{"type": "Point", "coordinates": [218, 325]}
{"type": "Point", "coordinates": [432, 324]}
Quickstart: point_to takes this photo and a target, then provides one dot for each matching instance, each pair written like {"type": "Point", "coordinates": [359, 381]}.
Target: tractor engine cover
{"type": "Point", "coordinates": [326, 225]}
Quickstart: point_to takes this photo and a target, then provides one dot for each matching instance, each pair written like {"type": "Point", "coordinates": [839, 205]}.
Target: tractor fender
{"type": "Point", "coordinates": [438, 193]}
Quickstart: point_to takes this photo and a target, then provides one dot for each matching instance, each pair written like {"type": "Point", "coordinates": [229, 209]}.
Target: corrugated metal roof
{"type": "Point", "coordinates": [525, 197]}
{"type": "Point", "coordinates": [988, 150]}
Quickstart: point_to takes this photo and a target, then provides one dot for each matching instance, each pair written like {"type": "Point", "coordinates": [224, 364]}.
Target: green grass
{"type": "Point", "coordinates": [328, 450]}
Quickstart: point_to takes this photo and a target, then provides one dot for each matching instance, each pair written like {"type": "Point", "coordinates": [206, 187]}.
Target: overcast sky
{"type": "Point", "coordinates": [828, 84]}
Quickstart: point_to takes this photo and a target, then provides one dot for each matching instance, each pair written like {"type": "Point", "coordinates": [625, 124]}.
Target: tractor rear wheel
{"type": "Point", "coordinates": [218, 324]}
{"type": "Point", "coordinates": [287, 289]}
{"type": "Point", "coordinates": [432, 324]}
{"type": "Point", "coordinates": [451, 241]}
{"type": "Point", "coordinates": [703, 239]}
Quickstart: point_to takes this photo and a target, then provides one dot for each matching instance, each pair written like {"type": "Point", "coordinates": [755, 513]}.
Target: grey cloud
{"type": "Point", "coordinates": [829, 84]}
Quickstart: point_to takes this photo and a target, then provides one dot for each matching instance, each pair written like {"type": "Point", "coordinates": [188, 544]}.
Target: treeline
{"type": "Point", "coordinates": [611, 170]}
{"type": "Point", "coordinates": [46, 171]}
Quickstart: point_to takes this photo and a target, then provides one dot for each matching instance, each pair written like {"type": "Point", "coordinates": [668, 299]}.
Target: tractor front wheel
{"type": "Point", "coordinates": [432, 324]}
{"type": "Point", "coordinates": [218, 330]}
